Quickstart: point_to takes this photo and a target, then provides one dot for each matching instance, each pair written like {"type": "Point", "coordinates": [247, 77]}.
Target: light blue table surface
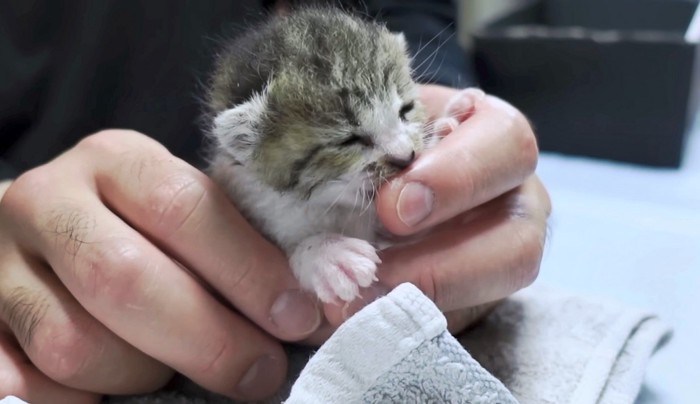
{"type": "Point", "coordinates": [632, 233]}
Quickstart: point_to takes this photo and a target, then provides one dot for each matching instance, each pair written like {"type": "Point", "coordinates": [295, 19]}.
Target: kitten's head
{"type": "Point", "coordinates": [338, 115]}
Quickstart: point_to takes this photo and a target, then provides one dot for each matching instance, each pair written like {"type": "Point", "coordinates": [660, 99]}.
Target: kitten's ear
{"type": "Point", "coordinates": [237, 130]}
{"type": "Point", "coordinates": [401, 39]}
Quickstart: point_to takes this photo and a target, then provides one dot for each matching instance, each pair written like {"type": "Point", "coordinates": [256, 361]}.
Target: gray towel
{"type": "Point", "coordinates": [550, 347]}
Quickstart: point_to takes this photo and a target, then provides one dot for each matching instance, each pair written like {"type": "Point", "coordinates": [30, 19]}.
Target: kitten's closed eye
{"type": "Point", "coordinates": [356, 139]}
{"type": "Point", "coordinates": [405, 109]}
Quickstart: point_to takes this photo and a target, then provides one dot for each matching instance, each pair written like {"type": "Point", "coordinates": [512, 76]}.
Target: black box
{"type": "Point", "coordinates": [614, 79]}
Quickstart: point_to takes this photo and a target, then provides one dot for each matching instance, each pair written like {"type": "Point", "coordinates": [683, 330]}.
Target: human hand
{"type": "Point", "coordinates": [479, 212]}
{"type": "Point", "coordinates": [94, 290]}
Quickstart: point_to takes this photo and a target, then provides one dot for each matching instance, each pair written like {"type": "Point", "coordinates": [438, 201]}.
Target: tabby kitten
{"type": "Point", "coordinates": [312, 112]}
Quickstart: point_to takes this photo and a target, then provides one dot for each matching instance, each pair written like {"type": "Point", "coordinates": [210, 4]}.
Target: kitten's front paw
{"type": "Point", "coordinates": [335, 267]}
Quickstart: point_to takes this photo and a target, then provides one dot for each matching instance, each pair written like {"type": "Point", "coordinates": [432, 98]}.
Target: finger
{"type": "Point", "coordinates": [141, 295]}
{"type": "Point", "coordinates": [19, 378]}
{"type": "Point", "coordinates": [523, 211]}
{"type": "Point", "coordinates": [337, 314]}
{"type": "Point", "coordinates": [63, 340]}
{"type": "Point", "coordinates": [184, 212]}
{"type": "Point", "coordinates": [324, 331]}
{"type": "Point", "coordinates": [435, 99]}
{"type": "Point", "coordinates": [445, 126]}
{"type": "Point", "coordinates": [460, 320]}
{"type": "Point", "coordinates": [488, 154]}
{"type": "Point", "coordinates": [478, 257]}
{"type": "Point", "coordinates": [457, 320]}
{"type": "Point", "coordinates": [462, 105]}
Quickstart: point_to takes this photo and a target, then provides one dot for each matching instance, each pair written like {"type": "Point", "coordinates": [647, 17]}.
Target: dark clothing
{"type": "Point", "coordinates": [71, 68]}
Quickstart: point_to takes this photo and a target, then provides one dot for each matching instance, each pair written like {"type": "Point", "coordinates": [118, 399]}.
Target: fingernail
{"type": "Point", "coordinates": [295, 313]}
{"type": "Point", "coordinates": [256, 382]}
{"type": "Point", "coordinates": [415, 203]}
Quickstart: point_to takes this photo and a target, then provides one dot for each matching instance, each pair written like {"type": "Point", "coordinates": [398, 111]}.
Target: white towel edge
{"type": "Point", "coordinates": [316, 382]}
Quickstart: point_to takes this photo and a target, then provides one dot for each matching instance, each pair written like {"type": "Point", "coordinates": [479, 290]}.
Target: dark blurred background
{"type": "Point", "coordinates": [613, 79]}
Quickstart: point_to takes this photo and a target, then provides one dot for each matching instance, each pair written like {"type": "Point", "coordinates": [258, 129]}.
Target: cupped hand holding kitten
{"type": "Point", "coordinates": [120, 263]}
{"type": "Point", "coordinates": [93, 295]}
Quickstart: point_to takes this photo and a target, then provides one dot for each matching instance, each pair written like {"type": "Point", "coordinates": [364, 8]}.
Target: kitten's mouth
{"type": "Point", "coordinates": [359, 188]}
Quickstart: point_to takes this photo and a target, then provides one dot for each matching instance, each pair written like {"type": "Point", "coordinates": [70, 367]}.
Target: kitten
{"type": "Point", "coordinates": [312, 113]}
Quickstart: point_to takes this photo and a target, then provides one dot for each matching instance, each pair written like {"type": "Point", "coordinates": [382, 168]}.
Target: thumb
{"type": "Point", "coordinates": [491, 152]}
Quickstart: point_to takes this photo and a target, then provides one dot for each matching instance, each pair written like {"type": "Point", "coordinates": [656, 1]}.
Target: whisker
{"type": "Point", "coordinates": [351, 216]}
{"type": "Point", "coordinates": [358, 191]}
{"type": "Point", "coordinates": [370, 198]}
{"type": "Point", "coordinates": [436, 71]}
{"type": "Point", "coordinates": [340, 194]}
{"type": "Point", "coordinates": [366, 198]}
{"type": "Point", "coordinates": [423, 46]}
{"type": "Point", "coordinates": [433, 54]}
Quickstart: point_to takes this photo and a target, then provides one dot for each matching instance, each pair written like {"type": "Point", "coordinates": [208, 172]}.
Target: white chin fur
{"type": "Point", "coordinates": [346, 193]}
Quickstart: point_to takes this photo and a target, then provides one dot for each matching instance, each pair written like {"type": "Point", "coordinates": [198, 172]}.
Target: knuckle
{"type": "Point", "coordinates": [529, 255]}
{"type": "Point", "coordinates": [519, 126]}
{"type": "Point", "coordinates": [214, 361]}
{"type": "Point", "coordinates": [237, 280]}
{"type": "Point", "coordinates": [531, 203]}
{"type": "Point", "coordinates": [527, 142]}
{"type": "Point", "coordinates": [174, 201]}
{"type": "Point", "coordinates": [107, 140]}
{"type": "Point", "coordinates": [110, 137]}
{"type": "Point", "coordinates": [23, 190]}
{"type": "Point", "coordinates": [70, 226]}
{"type": "Point", "coordinates": [63, 352]}
{"type": "Point", "coordinates": [111, 272]}
{"type": "Point", "coordinates": [116, 142]}
{"type": "Point", "coordinates": [545, 201]}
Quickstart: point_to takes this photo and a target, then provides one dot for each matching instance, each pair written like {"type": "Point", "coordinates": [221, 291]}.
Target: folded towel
{"type": "Point", "coordinates": [550, 347]}
{"type": "Point", "coordinates": [539, 346]}
{"type": "Point", "coordinates": [544, 345]}
{"type": "Point", "coordinates": [396, 350]}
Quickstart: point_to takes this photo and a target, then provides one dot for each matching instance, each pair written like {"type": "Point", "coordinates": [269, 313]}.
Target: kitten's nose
{"type": "Point", "coordinates": [401, 162]}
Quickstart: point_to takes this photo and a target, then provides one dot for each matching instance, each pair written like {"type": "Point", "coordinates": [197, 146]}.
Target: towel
{"type": "Point", "coordinates": [539, 346]}
{"type": "Point", "coordinates": [397, 350]}
{"type": "Point", "coordinates": [547, 346]}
